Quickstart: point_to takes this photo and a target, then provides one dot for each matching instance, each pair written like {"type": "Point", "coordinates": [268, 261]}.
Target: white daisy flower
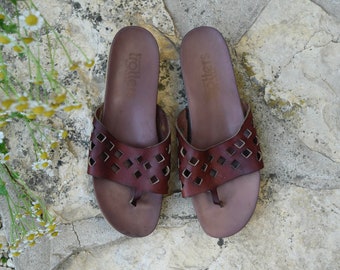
{"type": "Point", "coordinates": [31, 20]}
{"type": "Point", "coordinates": [14, 253]}
{"type": "Point", "coordinates": [7, 40]}
{"type": "Point", "coordinates": [4, 158]}
{"type": "Point", "coordinates": [2, 136]}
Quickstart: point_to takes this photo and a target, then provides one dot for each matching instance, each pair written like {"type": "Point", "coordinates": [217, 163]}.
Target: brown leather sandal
{"type": "Point", "coordinates": [129, 157]}
{"type": "Point", "coordinates": [219, 154]}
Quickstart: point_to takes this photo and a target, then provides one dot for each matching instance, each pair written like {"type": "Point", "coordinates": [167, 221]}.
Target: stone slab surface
{"type": "Point", "coordinates": [298, 61]}
{"type": "Point", "coordinates": [330, 6]}
{"type": "Point", "coordinates": [233, 17]}
{"type": "Point", "coordinates": [286, 61]}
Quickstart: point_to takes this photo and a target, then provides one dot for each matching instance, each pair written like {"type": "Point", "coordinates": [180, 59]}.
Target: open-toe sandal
{"type": "Point", "coordinates": [130, 144]}
{"type": "Point", "coordinates": [219, 154]}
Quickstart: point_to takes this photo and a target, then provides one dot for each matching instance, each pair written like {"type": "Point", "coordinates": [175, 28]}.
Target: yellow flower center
{"type": "Point", "coordinates": [43, 155]}
{"type": "Point", "coordinates": [31, 243]}
{"type": "Point", "coordinates": [54, 145]}
{"type": "Point", "coordinates": [23, 98]}
{"type": "Point", "coordinates": [60, 98]}
{"type": "Point", "coordinates": [21, 107]}
{"type": "Point", "coordinates": [4, 40]}
{"type": "Point", "coordinates": [64, 134]}
{"type": "Point", "coordinates": [89, 63]}
{"type": "Point", "coordinates": [27, 40]}
{"type": "Point", "coordinates": [38, 109]}
{"type": "Point", "coordinates": [44, 164]}
{"type": "Point", "coordinates": [16, 253]}
{"type": "Point", "coordinates": [49, 113]}
{"type": "Point", "coordinates": [18, 48]}
{"type": "Point", "coordinates": [30, 237]}
{"type": "Point", "coordinates": [31, 20]}
{"type": "Point", "coordinates": [54, 234]}
{"type": "Point", "coordinates": [51, 227]}
{"type": "Point", "coordinates": [41, 223]}
{"type": "Point", "coordinates": [31, 116]}
{"type": "Point", "coordinates": [39, 212]}
{"type": "Point", "coordinates": [74, 66]}
{"type": "Point", "coordinates": [7, 103]}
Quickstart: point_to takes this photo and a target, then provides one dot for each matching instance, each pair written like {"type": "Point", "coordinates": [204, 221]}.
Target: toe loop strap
{"type": "Point", "coordinates": [136, 195]}
{"type": "Point", "coordinates": [215, 198]}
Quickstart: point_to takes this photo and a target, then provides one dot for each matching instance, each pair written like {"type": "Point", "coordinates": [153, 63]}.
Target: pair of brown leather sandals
{"type": "Point", "coordinates": [218, 149]}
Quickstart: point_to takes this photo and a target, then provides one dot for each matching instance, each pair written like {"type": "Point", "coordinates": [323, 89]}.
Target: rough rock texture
{"type": "Point", "coordinates": [330, 6]}
{"type": "Point", "coordinates": [232, 17]}
{"type": "Point", "coordinates": [298, 61]}
{"type": "Point", "coordinates": [286, 59]}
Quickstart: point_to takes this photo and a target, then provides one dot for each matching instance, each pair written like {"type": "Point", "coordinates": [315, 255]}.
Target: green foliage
{"type": "Point", "coordinates": [33, 99]}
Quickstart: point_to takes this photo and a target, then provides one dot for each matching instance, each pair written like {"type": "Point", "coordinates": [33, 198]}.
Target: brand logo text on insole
{"type": "Point", "coordinates": [209, 77]}
{"type": "Point", "coordinates": [133, 70]}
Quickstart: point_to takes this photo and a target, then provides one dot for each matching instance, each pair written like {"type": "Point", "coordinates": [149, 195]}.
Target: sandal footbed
{"type": "Point", "coordinates": [129, 114]}
{"type": "Point", "coordinates": [216, 114]}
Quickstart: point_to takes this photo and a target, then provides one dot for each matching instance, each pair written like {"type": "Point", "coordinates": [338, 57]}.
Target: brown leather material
{"type": "Point", "coordinates": [145, 169]}
{"type": "Point", "coordinates": [214, 121]}
{"type": "Point", "coordinates": [131, 121]}
{"type": "Point", "coordinates": [202, 170]}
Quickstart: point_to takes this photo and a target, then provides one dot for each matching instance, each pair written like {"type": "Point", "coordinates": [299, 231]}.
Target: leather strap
{"type": "Point", "coordinates": [202, 170]}
{"type": "Point", "coordinates": [143, 169]}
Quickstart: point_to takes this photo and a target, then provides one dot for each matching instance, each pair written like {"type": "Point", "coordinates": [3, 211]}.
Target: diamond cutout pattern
{"type": "Point", "coordinates": [92, 162]}
{"type": "Point", "coordinates": [139, 159]}
{"type": "Point", "coordinates": [105, 156]}
{"type": "Point", "coordinates": [235, 164]}
{"type": "Point", "coordinates": [193, 161]}
{"type": "Point", "coordinates": [240, 143]}
{"type": "Point", "coordinates": [247, 133]}
{"type": "Point", "coordinates": [198, 181]}
{"type": "Point", "coordinates": [183, 152]}
{"type": "Point", "coordinates": [259, 156]}
{"type": "Point", "coordinates": [154, 180]}
{"type": "Point", "coordinates": [160, 158]}
{"type": "Point", "coordinates": [115, 168]}
{"type": "Point", "coordinates": [204, 167]}
{"type": "Point", "coordinates": [166, 171]}
{"type": "Point", "coordinates": [111, 145]}
{"type": "Point", "coordinates": [138, 174]}
{"type": "Point", "coordinates": [147, 166]}
{"type": "Point", "coordinates": [117, 154]}
{"type": "Point", "coordinates": [214, 166]}
{"type": "Point", "coordinates": [213, 173]}
{"type": "Point", "coordinates": [186, 173]}
{"type": "Point", "coordinates": [221, 160]}
{"type": "Point", "coordinates": [101, 137]}
{"type": "Point", "coordinates": [247, 153]}
{"type": "Point", "coordinates": [128, 163]}
{"type": "Point", "coordinates": [145, 169]}
{"type": "Point", "coordinates": [231, 151]}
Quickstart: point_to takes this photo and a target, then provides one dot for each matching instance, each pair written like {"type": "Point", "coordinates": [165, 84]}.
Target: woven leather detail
{"type": "Point", "coordinates": [144, 169]}
{"type": "Point", "coordinates": [202, 170]}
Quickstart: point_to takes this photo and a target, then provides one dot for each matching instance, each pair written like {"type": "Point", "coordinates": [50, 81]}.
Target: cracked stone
{"type": "Point", "coordinates": [233, 18]}
{"type": "Point", "coordinates": [290, 56]}
{"type": "Point", "coordinates": [298, 61]}
{"type": "Point", "coordinates": [330, 6]}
